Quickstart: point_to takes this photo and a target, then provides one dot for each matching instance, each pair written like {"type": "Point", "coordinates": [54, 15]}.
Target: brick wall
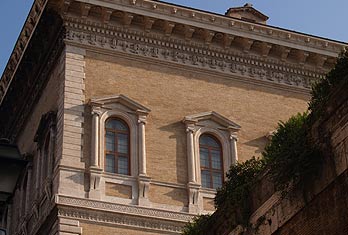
{"type": "Point", "coordinates": [326, 214]}
{"type": "Point", "coordinates": [173, 93]}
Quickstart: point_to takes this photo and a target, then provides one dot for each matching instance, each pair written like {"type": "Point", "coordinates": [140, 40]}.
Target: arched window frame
{"type": "Point", "coordinates": [116, 153]}
{"type": "Point", "coordinates": [223, 138]}
{"type": "Point", "coordinates": [225, 131]}
{"type": "Point", "coordinates": [133, 132]}
{"type": "Point", "coordinates": [134, 115]}
{"type": "Point", "coordinates": [210, 169]}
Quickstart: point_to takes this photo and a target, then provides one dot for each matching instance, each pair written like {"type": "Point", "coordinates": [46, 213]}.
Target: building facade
{"type": "Point", "coordinates": [132, 111]}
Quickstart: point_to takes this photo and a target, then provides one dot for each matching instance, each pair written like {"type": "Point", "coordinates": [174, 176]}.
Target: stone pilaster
{"type": "Point", "coordinates": [143, 179]}
{"type": "Point", "coordinates": [70, 122]}
{"type": "Point", "coordinates": [233, 144]}
{"type": "Point", "coordinates": [69, 227]}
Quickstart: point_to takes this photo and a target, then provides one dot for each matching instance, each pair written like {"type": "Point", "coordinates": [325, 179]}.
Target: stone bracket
{"type": "Point", "coordinates": [94, 182]}
{"type": "Point", "coordinates": [143, 186]}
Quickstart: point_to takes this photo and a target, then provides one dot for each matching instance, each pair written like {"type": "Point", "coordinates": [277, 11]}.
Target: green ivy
{"type": "Point", "coordinates": [197, 226]}
{"type": "Point", "coordinates": [235, 192]}
{"type": "Point", "coordinates": [322, 89]}
{"type": "Point", "coordinates": [291, 157]}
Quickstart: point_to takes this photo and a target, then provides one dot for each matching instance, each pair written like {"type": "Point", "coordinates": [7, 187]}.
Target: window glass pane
{"type": "Point", "coordinates": [204, 157]}
{"type": "Point", "coordinates": [110, 163]}
{"type": "Point", "coordinates": [116, 124]}
{"type": "Point", "coordinates": [122, 143]}
{"type": "Point", "coordinates": [110, 141]}
{"type": "Point", "coordinates": [205, 175]}
{"type": "Point", "coordinates": [208, 141]}
{"type": "Point", "coordinates": [217, 180]}
{"type": "Point", "coordinates": [123, 165]}
{"type": "Point", "coordinates": [215, 159]}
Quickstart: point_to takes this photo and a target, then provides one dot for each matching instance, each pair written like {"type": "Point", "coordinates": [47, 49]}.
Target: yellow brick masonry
{"type": "Point", "coordinates": [172, 94]}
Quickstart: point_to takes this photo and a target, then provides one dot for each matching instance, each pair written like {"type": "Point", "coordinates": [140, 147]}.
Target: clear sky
{"type": "Point", "coordinates": [325, 18]}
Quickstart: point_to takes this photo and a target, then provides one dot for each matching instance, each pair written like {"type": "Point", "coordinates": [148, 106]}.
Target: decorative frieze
{"type": "Point", "coordinates": [123, 209]}
{"type": "Point", "coordinates": [120, 219]}
{"type": "Point", "coordinates": [199, 56]}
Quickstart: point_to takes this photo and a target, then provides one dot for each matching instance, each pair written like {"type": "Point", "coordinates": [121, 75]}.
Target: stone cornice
{"type": "Point", "coordinates": [301, 46]}
{"type": "Point", "coordinates": [126, 215]}
{"type": "Point", "coordinates": [193, 54]}
{"type": "Point", "coordinates": [21, 45]}
{"type": "Point", "coordinates": [31, 75]}
{"type": "Point", "coordinates": [223, 24]}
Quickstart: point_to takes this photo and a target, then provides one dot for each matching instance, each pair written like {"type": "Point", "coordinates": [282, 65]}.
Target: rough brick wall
{"type": "Point", "coordinates": [327, 214]}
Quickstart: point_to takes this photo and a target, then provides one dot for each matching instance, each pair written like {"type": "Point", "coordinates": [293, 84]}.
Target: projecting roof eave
{"type": "Point", "coordinates": [260, 24]}
{"type": "Point", "coordinates": [20, 47]}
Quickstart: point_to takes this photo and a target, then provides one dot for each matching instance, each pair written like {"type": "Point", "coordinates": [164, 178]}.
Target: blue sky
{"type": "Point", "coordinates": [317, 17]}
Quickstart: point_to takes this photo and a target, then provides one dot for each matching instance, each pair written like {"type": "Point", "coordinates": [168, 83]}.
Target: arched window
{"type": "Point", "coordinates": [210, 153]}
{"type": "Point", "coordinates": [117, 157]}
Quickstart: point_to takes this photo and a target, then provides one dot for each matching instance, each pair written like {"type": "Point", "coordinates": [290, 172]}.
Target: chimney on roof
{"type": "Point", "coordinates": [247, 13]}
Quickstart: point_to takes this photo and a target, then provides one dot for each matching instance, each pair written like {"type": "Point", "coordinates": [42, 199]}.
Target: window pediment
{"type": "Point", "coordinates": [119, 102]}
{"type": "Point", "coordinates": [211, 119]}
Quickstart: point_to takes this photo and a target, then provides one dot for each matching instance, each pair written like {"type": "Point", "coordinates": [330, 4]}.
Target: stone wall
{"type": "Point", "coordinates": [327, 213]}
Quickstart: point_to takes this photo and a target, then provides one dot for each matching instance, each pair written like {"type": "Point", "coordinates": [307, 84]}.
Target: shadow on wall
{"type": "Point", "coordinates": [178, 195]}
{"type": "Point", "coordinates": [177, 130]}
{"type": "Point", "coordinates": [258, 143]}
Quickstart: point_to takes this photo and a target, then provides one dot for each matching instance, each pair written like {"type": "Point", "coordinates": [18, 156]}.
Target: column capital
{"type": "Point", "coordinates": [96, 111]}
{"type": "Point", "coordinates": [233, 136]}
{"type": "Point", "coordinates": [190, 129]}
{"type": "Point", "coordinates": [142, 120]}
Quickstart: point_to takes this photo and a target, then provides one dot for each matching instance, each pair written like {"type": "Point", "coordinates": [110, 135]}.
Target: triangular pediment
{"type": "Point", "coordinates": [111, 101]}
{"type": "Point", "coordinates": [212, 117]}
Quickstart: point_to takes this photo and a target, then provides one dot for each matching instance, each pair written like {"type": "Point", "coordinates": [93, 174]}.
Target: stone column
{"type": "Point", "coordinates": [192, 186]}
{"type": "Point", "coordinates": [28, 188]}
{"type": "Point", "coordinates": [94, 169]}
{"type": "Point", "coordinates": [95, 140]}
{"type": "Point", "coordinates": [143, 179]}
{"type": "Point", "coordinates": [142, 146]}
{"type": "Point", "coordinates": [191, 154]}
{"type": "Point", "coordinates": [233, 144]}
